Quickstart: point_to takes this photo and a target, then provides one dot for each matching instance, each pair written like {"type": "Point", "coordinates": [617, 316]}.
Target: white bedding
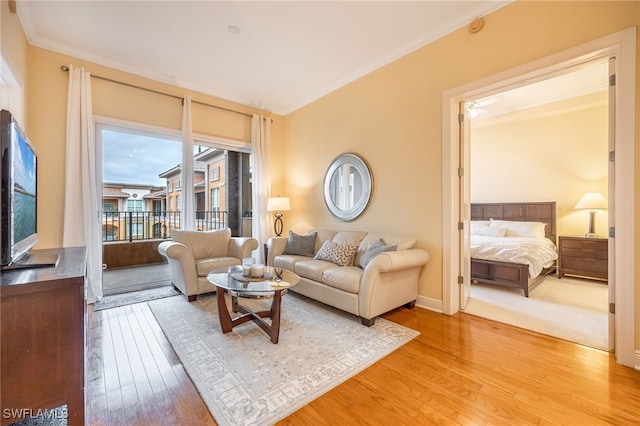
{"type": "Point", "coordinates": [538, 253]}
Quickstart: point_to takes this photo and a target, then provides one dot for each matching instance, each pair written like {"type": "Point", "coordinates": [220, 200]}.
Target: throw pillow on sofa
{"type": "Point", "coordinates": [301, 245]}
{"type": "Point", "coordinates": [340, 254]}
{"type": "Point", "coordinates": [375, 249]}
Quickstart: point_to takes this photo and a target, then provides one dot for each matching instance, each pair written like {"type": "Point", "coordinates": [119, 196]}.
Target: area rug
{"type": "Point", "coordinates": [571, 309]}
{"type": "Point", "coordinates": [130, 298]}
{"type": "Point", "coordinates": [244, 379]}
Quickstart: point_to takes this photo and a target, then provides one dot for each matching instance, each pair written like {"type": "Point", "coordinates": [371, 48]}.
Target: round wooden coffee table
{"type": "Point", "coordinates": [230, 280]}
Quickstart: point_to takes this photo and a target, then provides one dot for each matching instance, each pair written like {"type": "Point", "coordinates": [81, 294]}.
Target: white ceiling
{"type": "Point", "coordinates": [591, 77]}
{"type": "Point", "coordinates": [285, 55]}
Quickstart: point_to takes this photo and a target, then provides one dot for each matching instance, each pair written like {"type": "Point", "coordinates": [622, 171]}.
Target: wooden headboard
{"type": "Point", "coordinates": [544, 212]}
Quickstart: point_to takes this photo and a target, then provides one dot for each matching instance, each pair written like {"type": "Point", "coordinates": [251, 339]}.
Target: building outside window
{"type": "Point", "coordinates": [215, 199]}
{"type": "Point", "coordinates": [137, 231]}
{"type": "Point", "coordinates": [134, 205]}
{"type": "Point", "coordinates": [157, 207]}
{"type": "Point", "coordinates": [109, 206]}
{"type": "Point", "coordinates": [214, 173]}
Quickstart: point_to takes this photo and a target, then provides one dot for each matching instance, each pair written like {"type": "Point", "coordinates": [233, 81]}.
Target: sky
{"type": "Point", "coordinates": [137, 159]}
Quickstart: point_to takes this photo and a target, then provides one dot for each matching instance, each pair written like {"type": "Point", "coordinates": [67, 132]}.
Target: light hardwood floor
{"type": "Point", "coordinates": [460, 370]}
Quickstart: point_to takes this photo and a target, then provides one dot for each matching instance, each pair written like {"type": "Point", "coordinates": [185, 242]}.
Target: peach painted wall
{"type": "Point", "coordinates": [48, 92]}
{"type": "Point", "coordinates": [14, 47]}
{"type": "Point", "coordinates": [552, 153]}
{"type": "Point", "coordinates": [393, 118]}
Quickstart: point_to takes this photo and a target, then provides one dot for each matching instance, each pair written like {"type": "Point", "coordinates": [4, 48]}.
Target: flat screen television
{"type": "Point", "coordinates": [19, 192]}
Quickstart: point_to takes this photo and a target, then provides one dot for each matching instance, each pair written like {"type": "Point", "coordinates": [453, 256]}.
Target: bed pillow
{"type": "Point", "coordinates": [375, 249]}
{"type": "Point", "coordinates": [478, 226]}
{"type": "Point", "coordinates": [301, 245]}
{"type": "Point", "coordinates": [521, 229]}
{"type": "Point", "coordinates": [490, 231]}
{"type": "Point", "coordinates": [340, 254]}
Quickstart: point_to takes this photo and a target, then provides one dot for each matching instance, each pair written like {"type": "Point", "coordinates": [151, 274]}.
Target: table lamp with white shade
{"type": "Point", "coordinates": [592, 201]}
{"type": "Point", "coordinates": [278, 204]}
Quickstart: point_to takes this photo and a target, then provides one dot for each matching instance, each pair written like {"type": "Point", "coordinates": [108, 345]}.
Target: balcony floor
{"type": "Point", "coordinates": [135, 278]}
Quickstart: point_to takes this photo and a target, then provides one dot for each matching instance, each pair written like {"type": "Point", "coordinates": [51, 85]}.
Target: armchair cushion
{"type": "Point", "coordinates": [204, 266]}
{"type": "Point", "coordinates": [204, 244]}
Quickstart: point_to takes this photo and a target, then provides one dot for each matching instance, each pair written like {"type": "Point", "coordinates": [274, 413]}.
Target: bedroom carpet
{"type": "Point", "coordinates": [244, 379]}
{"type": "Point", "coordinates": [571, 309]}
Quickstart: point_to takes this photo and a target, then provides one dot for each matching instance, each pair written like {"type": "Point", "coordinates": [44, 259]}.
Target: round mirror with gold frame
{"type": "Point", "coordinates": [347, 186]}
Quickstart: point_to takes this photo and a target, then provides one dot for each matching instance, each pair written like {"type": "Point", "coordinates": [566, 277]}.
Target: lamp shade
{"type": "Point", "coordinates": [592, 201]}
{"type": "Point", "coordinates": [278, 204]}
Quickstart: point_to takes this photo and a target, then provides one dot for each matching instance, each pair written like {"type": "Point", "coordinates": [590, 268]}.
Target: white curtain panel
{"type": "Point", "coordinates": [260, 145]}
{"type": "Point", "coordinates": [81, 208]}
{"type": "Point", "coordinates": [187, 215]}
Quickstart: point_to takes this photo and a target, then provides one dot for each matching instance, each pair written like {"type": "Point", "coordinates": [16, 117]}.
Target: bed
{"type": "Point", "coordinates": [517, 272]}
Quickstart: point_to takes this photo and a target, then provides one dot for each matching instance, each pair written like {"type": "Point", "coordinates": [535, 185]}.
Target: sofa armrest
{"type": "Point", "coordinates": [182, 266]}
{"type": "Point", "coordinates": [396, 260]}
{"type": "Point", "coordinates": [390, 280]}
{"type": "Point", "coordinates": [241, 247]}
{"type": "Point", "coordinates": [275, 247]}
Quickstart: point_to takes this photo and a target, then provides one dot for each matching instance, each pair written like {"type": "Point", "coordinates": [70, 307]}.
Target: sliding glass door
{"type": "Point", "coordinates": [143, 190]}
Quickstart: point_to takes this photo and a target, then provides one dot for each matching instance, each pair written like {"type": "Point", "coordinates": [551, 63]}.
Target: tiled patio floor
{"type": "Point", "coordinates": [123, 280]}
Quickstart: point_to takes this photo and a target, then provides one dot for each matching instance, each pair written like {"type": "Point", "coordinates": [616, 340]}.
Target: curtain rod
{"type": "Point", "coordinates": [66, 69]}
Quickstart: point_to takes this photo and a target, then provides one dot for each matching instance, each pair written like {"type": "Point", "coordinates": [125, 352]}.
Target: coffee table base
{"type": "Point", "coordinates": [227, 323]}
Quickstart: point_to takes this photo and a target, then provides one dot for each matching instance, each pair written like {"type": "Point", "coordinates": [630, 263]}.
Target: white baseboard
{"type": "Point", "coordinates": [430, 304]}
{"type": "Point", "coordinates": [636, 362]}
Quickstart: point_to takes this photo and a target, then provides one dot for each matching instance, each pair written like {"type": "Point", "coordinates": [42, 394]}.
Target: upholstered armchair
{"type": "Point", "coordinates": [193, 254]}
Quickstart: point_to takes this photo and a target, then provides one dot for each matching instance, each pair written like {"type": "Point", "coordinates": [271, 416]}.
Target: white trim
{"type": "Point", "coordinates": [636, 364]}
{"type": "Point", "coordinates": [167, 133]}
{"type": "Point", "coordinates": [136, 128]}
{"type": "Point", "coordinates": [11, 90]}
{"type": "Point", "coordinates": [218, 142]}
{"type": "Point", "coordinates": [622, 45]}
{"type": "Point", "coordinates": [429, 304]}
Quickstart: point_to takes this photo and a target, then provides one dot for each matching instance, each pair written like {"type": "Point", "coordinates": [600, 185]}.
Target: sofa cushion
{"type": "Point", "coordinates": [303, 245]}
{"type": "Point", "coordinates": [349, 237]}
{"type": "Point", "coordinates": [313, 269]}
{"type": "Point", "coordinates": [375, 249]}
{"type": "Point", "coordinates": [204, 266]}
{"type": "Point", "coordinates": [345, 278]}
{"type": "Point", "coordinates": [204, 244]}
{"type": "Point", "coordinates": [288, 262]}
{"type": "Point", "coordinates": [323, 235]}
{"type": "Point", "coordinates": [340, 254]}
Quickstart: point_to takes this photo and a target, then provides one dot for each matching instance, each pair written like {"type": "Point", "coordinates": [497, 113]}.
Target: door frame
{"type": "Point", "coordinates": [622, 45]}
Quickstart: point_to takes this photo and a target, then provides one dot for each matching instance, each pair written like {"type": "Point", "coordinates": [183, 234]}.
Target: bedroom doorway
{"type": "Point", "coordinates": [554, 134]}
{"type": "Point", "coordinates": [621, 267]}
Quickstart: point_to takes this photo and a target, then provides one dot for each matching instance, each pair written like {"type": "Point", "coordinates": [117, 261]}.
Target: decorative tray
{"type": "Point", "coordinates": [239, 277]}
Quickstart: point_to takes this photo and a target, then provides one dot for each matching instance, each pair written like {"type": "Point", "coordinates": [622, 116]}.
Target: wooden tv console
{"type": "Point", "coordinates": [42, 340]}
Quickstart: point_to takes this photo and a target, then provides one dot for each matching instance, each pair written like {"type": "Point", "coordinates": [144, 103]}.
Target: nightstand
{"type": "Point", "coordinates": [583, 257]}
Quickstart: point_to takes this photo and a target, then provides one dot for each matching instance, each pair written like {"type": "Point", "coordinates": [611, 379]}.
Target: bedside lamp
{"type": "Point", "coordinates": [278, 205]}
{"type": "Point", "coordinates": [592, 201]}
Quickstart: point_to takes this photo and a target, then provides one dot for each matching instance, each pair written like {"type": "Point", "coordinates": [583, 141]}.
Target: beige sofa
{"type": "Point", "coordinates": [193, 254]}
{"type": "Point", "coordinates": [389, 280]}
